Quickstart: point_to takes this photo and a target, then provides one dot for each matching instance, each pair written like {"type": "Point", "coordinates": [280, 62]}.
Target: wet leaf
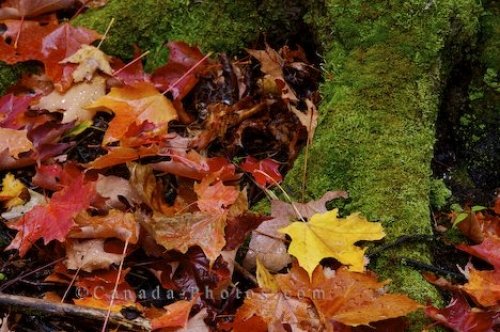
{"type": "Point", "coordinates": [460, 317]}
{"type": "Point", "coordinates": [326, 235]}
{"type": "Point", "coordinates": [54, 220]}
{"type": "Point", "coordinates": [134, 104]}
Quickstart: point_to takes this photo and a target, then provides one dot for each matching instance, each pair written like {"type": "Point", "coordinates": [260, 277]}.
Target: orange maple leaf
{"type": "Point", "coordinates": [135, 104]}
{"type": "Point", "coordinates": [339, 296]}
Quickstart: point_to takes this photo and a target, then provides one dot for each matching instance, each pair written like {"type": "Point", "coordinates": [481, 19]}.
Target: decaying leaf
{"type": "Point", "coordinates": [112, 187]}
{"type": "Point", "coordinates": [74, 101]}
{"type": "Point", "coordinates": [89, 255]}
{"type": "Point", "coordinates": [89, 60]}
{"type": "Point", "coordinates": [460, 317]}
{"type": "Point", "coordinates": [187, 230]}
{"type": "Point", "coordinates": [118, 224]}
{"type": "Point", "coordinates": [20, 210]}
{"type": "Point", "coordinates": [12, 192]}
{"type": "Point", "coordinates": [14, 141]}
{"type": "Point", "coordinates": [342, 296]}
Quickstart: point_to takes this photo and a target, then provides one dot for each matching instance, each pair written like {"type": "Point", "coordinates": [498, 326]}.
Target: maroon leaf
{"type": "Point", "coordinates": [487, 250]}
{"type": "Point", "coordinates": [239, 227]}
{"type": "Point", "coordinates": [263, 171]}
{"type": "Point", "coordinates": [12, 109]}
{"type": "Point", "coordinates": [459, 316]}
{"type": "Point", "coordinates": [181, 59]}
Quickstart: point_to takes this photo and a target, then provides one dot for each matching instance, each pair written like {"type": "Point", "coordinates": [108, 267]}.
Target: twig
{"type": "Point", "coordinates": [22, 276]}
{"type": "Point", "coordinates": [173, 85]}
{"type": "Point", "coordinates": [244, 272]}
{"type": "Point", "coordinates": [431, 268]}
{"type": "Point", "coordinates": [118, 275]}
{"type": "Point", "coordinates": [400, 240]}
{"type": "Point", "coordinates": [21, 303]}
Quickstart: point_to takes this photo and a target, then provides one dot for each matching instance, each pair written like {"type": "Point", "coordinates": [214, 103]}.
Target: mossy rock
{"type": "Point", "coordinates": [220, 26]}
{"type": "Point", "coordinates": [384, 68]}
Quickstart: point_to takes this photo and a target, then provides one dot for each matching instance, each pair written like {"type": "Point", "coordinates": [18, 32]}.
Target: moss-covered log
{"type": "Point", "coordinates": [384, 67]}
{"type": "Point", "coordinates": [227, 25]}
{"type": "Point", "coordinates": [383, 73]}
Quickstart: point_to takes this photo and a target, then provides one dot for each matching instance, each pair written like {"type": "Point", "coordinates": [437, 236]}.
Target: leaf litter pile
{"type": "Point", "coordinates": [128, 193]}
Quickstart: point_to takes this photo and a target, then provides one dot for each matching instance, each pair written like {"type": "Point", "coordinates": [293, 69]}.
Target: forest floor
{"type": "Point", "coordinates": [126, 199]}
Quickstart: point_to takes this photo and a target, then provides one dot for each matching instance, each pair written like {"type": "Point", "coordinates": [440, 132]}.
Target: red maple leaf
{"type": "Point", "coordinates": [459, 316]}
{"type": "Point", "coordinates": [263, 171]}
{"type": "Point", "coordinates": [28, 35]}
{"type": "Point", "coordinates": [47, 42]}
{"type": "Point", "coordinates": [54, 220]}
{"type": "Point", "coordinates": [26, 8]}
{"type": "Point", "coordinates": [487, 250]}
{"type": "Point", "coordinates": [12, 110]}
{"type": "Point", "coordinates": [60, 44]}
{"type": "Point", "coordinates": [174, 75]}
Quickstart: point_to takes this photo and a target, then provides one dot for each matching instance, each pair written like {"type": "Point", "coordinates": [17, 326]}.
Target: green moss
{"type": "Point", "coordinates": [226, 25]}
{"type": "Point", "coordinates": [383, 70]}
{"type": "Point", "coordinates": [439, 194]}
{"type": "Point", "coordinates": [8, 76]}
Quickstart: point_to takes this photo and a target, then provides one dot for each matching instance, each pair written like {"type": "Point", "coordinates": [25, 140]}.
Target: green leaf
{"type": "Point", "coordinates": [77, 130]}
{"type": "Point", "coordinates": [461, 217]}
{"type": "Point", "coordinates": [477, 208]}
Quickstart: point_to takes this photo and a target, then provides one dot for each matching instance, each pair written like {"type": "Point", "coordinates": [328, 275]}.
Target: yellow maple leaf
{"type": "Point", "coordinates": [265, 279]}
{"type": "Point", "coordinates": [326, 235]}
{"type": "Point", "coordinates": [11, 191]}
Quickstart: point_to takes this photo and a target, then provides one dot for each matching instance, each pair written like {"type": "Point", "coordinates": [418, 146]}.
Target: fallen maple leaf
{"type": "Point", "coordinates": [131, 72]}
{"type": "Point", "coordinates": [487, 250]}
{"type": "Point", "coordinates": [59, 45]}
{"type": "Point", "coordinates": [194, 166]}
{"type": "Point", "coordinates": [14, 141]}
{"type": "Point", "coordinates": [460, 317]}
{"type": "Point", "coordinates": [214, 197]}
{"type": "Point", "coordinates": [121, 154]}
{"type": "Point", "coordinates": [174, 75]}
{"type": "Point", "coordinates": [29, 8]}
{"type": "Point", "coordinates": [54, 220]}
{"type": "Point", "coordinates": [175, 315]}
{"type": "Point", "coordinates": [89, 60]}
{"type": "Point", "coordinates": [326, 235]}
{"type": "Point", "coordinates": [116, 223]}
{"type": "Point", "coordinates": [89, 255]}
{"type": "Point", "coordinates": [483, 286]}
{"type": "Point", "coordinates": [268, 245]}
{"type": "Point", "coordinates": [350, 298]}
{"type": "Point", "coordinates": [49, 177]}
{"type": "Point", "coordinates": [186, 230]}
{"type": "Point", "coordinates": [12, 110]}
{"type": "Point", "coordinates": [134, 104]}
{"type": "Point", "coordinates": [29, 36]}
{"type": "Point", "coordinates": [72, 103]}
{"type": "Point", "coordinates": [12, 190]}
{"type": "Point", "coordinates": [263, 171]}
